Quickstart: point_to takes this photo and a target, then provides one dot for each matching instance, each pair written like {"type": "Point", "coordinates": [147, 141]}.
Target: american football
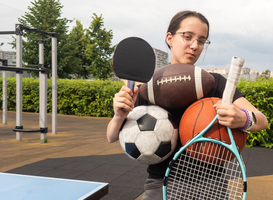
{"type": "Point", "coordinates": [177, 86]}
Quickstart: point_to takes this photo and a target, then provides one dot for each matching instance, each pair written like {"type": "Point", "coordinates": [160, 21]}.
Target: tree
{"type": "Point", "coordinates": [98, 50]}
{"type": "Point", "coordinates": [265, 74]}
{"type": "Point", "coordinates": [45, 15]}
{"type": "Point", "coordinates": [75, 49]}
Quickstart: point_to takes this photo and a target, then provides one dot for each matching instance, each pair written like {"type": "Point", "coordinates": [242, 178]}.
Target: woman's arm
{"type": "Point", "coordinates": [113, 129]}
{"type": "Point", "coordinates": [123, 103]}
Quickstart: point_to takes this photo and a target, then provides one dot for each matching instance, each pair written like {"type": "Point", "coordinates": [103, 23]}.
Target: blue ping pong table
{"type": "Point", "coordinates": [18, 187]}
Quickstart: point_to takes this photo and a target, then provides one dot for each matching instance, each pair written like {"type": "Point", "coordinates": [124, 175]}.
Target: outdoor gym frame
{"type": "Point", "coordinates": [42, 83]}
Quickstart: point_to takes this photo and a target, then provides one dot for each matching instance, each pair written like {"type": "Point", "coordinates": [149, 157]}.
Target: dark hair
{"type": "Point", "coordinates": [179, 17]}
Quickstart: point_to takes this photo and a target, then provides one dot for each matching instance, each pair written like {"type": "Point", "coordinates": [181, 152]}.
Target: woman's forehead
{"type": "Point", "coordinates": [195, 26]}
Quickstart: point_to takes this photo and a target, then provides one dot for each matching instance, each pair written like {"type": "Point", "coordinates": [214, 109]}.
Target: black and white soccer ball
{"type": "Point", "coordinates": [148, 134]}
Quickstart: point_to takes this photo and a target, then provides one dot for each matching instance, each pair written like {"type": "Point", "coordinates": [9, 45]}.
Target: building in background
{"type": "Point", "coordinates": [221, 71]}
{"type": "Point", "coordinates": [8, 55]}
{"type": "Point", "coordinates": [245, 70]}
{"type": "Point", "coordinates": [246, 73]}
{"type": "Point", "coordinates": [161, 59]}
{"type": "Point", "coordinates": [11, 60]}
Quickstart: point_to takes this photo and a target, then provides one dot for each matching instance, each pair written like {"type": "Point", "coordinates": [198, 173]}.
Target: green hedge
{"type": "Point", "coordinates": [75, 97]}
{"type": "Point", "coordinates": [95, 98]}
{"type": "Point", "coordinates": [88, 98]}
{"type": "Point", "coordinates": [260, 94]}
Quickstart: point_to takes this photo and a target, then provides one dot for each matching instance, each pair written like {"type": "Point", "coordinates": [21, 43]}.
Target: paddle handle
{"type": "Point", "coordinates": [131, 85]}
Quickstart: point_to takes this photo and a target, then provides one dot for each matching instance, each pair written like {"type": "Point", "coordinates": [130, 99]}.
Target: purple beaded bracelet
{"type": "Point", "coordinates": [247, 120]}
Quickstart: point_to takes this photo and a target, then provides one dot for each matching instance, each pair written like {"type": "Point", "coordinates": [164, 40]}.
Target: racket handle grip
{"type": "Point", "coordinates": [131, 85]}
{"type": "Point", "coordinates": [232, 80]}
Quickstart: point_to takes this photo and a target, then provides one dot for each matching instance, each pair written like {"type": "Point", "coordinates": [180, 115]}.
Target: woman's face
{"type": "Point", "coordinates": [182, 52]}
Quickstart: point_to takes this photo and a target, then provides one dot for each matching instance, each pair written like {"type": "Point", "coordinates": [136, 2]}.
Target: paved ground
{"type": "Point", "coordinates": [80, 151]}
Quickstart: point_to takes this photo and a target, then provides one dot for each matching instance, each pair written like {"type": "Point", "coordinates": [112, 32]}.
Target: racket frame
{"type": "Point", "coordinates": [232, 80]}
{"type": "Point", "coordinates": [199, 138]}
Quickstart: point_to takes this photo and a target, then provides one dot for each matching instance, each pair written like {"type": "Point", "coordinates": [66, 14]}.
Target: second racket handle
{"type": "Point", "coordinates": [232, 80]}
{"type": "Point", "coordinates": [131, 85]}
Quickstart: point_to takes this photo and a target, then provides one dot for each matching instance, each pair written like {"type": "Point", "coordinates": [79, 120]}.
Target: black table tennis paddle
{"type": "Point", "coordinates": [133, 61]}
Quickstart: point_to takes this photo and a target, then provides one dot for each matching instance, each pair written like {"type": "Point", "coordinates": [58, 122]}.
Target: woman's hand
{"type": "Point", "coordinates": [124, 101]}
{"type": "Point", "coordinates": [229, 115]}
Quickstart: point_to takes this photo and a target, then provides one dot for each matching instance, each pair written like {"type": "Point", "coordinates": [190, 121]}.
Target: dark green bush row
{"type": "Point", "coordinates": [88, 98]}
{"type": "Point", "coordinates": [260, 94]}
{"type": "Point", "coordinates": [95, 98]}
{"type": "Point", "coordinates": [75, 97]}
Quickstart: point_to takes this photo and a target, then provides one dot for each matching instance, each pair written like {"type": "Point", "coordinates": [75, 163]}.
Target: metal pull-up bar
{"type": "Point", "coordinates": [43, 82]}
{"type": "Point", "coordinates": [7, 32]}
{"type": "Point", "coordinates": [15, 69]}
{"type": "Point", "coordinates": [19, 28]}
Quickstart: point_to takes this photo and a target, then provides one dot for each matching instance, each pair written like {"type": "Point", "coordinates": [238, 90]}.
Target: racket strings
{"type": "Point", "coordinates": [205, 171]}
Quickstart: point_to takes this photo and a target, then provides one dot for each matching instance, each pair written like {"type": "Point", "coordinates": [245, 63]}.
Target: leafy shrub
{"type": "Point", "coordinates": [260, 94]}
{"type": "Point", "coordinates": [80, 97]}
{"type": "Point", "coordinates": [75, 97]}
{"type": "Point", "coordinates": [30, 90]}
{"type": "Point", "coordinates": [95, 98]}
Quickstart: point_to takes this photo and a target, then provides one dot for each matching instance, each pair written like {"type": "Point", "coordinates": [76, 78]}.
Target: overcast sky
{"type": "Point", "coordinates": [242, 28]}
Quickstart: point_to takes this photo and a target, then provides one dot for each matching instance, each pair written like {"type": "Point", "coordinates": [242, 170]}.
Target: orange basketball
{"type": "Point", "coordinates": [195, 119]}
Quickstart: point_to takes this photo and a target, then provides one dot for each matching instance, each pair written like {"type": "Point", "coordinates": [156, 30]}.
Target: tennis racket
{"type": "Point", "coordinates": [133, 61]}
{"type": "Point", "coordinates": [217, 178]}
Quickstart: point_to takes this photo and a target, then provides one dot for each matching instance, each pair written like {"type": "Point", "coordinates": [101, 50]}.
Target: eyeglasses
{"type": "Point", "coordinates": [188, 38]}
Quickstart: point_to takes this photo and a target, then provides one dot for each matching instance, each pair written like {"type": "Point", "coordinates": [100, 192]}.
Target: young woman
{"type": "Point", "coordinates": [187, 36]}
